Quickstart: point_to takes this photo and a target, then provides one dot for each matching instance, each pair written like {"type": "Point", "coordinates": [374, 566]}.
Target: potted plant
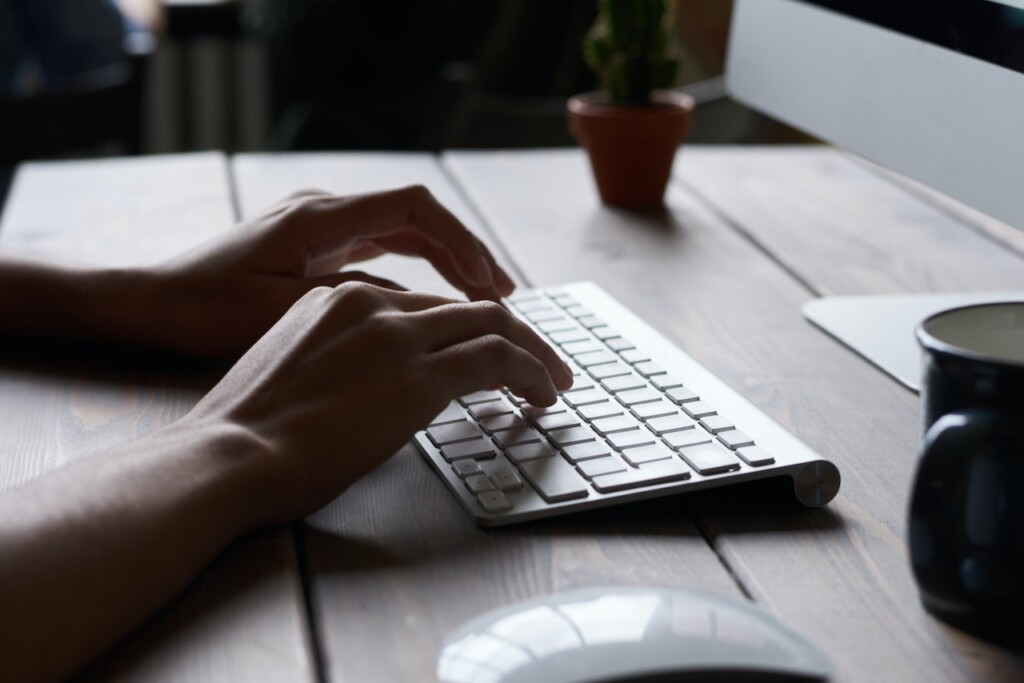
{"type": "Point", "coordinates": [632, 127]}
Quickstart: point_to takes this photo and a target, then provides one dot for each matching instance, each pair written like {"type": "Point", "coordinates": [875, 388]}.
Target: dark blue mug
{"type": "Point", "coordinates": [967, 508]}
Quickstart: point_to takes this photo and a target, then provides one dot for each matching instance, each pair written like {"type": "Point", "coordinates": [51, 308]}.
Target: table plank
{"type": "Point", "coordinates": [395, 564]}
{"type": "Point", "coordinates": [817, 211]}
{"type": "Point", "coordinates": [242, 618]}
{"type": "Point", "coordinates": [839, 575]}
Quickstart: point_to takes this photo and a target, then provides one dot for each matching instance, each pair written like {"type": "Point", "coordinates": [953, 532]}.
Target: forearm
{"type": "Point", "coordinates": [89, 551]}
{"type": "Point", "coordinates": [41, 300]}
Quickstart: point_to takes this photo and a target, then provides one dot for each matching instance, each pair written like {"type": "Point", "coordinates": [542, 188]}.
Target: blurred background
{"type": "Point", "coordinates": [104, 77]}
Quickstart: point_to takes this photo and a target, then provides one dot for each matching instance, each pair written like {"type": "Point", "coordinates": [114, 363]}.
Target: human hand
{"type": "Point", "coordinates": [349, 374]}
{"type": "Point", "coordinates": [221, 297]}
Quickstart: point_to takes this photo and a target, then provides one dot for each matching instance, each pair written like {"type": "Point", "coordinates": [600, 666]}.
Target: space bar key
{"type": "Point", "coordinates": [554, 478]}
{"type": "Point", "coordinates": [658, 472]}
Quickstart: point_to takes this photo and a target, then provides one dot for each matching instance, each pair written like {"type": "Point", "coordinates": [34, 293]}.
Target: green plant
{"type": "Point", "coordinates": [631, 49]}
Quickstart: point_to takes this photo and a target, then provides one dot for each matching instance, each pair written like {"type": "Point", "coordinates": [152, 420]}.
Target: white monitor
{"type": "Point", "coordinates": [932, 89]}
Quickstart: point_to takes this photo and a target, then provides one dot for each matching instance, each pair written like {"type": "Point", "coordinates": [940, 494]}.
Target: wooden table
{"type": "Point", "coordinates": [366, 589]}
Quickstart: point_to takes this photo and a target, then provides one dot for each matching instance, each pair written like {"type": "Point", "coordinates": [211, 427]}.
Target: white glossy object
{"type": "Point", "coordinates": [625, 633]}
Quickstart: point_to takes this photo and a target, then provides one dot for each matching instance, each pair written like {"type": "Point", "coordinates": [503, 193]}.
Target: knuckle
{"type": "Point", "coordinates": [417, 192]}
{"type": "Point", "coordinates": [491, 311]}
{"type": "Point", "coordinates": [357, 296]}
{"type": "Point", "coordinates": [494, 350]}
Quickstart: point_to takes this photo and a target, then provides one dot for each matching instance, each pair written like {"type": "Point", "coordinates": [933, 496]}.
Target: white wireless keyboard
{"type": "Point", "coordinates": [642, 419]}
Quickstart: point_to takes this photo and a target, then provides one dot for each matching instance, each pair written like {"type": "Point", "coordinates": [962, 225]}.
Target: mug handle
{"type": "Point", "coordinates": [957, 522]}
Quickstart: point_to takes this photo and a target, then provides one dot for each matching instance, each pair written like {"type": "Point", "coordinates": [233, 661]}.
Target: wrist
{"type": "Point", "coordinates": [229, 466]}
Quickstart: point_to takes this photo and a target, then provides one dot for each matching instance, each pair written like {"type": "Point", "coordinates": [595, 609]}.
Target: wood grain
{"type": "Point", "coordinates": [394, 563]}
{"type": "Point", "coordinates": [698, 271]}
{"type": "Point", "coordinates": [243, 617]}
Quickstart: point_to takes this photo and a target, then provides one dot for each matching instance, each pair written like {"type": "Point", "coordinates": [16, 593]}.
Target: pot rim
{"type": "Point", "coordinates": [664, 103]}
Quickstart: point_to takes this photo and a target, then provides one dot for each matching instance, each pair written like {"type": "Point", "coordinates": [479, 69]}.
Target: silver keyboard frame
{"type": "Point", "coordinates": [816, 480]}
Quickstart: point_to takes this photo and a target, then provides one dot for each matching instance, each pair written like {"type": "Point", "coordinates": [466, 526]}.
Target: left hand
{"type": "Point", "coordinates": [221, 297]}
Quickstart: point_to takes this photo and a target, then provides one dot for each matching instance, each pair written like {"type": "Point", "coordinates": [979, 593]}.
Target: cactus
{"type": "Point", "coordinates": [631, 49]}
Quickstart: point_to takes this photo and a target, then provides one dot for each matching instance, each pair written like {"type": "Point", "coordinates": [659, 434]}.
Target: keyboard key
{"type": "Point", "coordinates": [490, 408]}
{"type": "Point", "coordinates": [619, 344]}
{"type": "Point", "coordinates": [599, 466]}
{"type": "Point", "coordinates": [686, 437]}
{"type": "Point", "coordinates": [494, 501]}
{"type": "Point", "coordinates": [562, 299]}
{"type": "Point", "coordinates": [568, 336]}
{"type": "Point", "coordinates": [540, 315]}
{"type": "Point", "coordinates": [710, 458]}
{"type": "Point", "coordinates": [580, 383]}
{"type": "Point", "coordinates": [452, 432]}
{"type": "Point", "coordinates": [530, 451]}
{"type": "Point", "coordinates": [556, 421]}
{"type": "Point", "coordinates": [478, 483]}
{"type": "Point", "coordinates": [622, 382]}
{"type": "Point", "coordinates": [716, 423]}
{"type": "Point", "coordinates": [512, 437]}
{"type": "Point", "coordinates": [658, 472]}
{"type": "Point", "coordinates": [506, 479]}
{"type": "Point", "coordinates": [616, 423]}
{"type": "Point", "coordinates": [633, 356]}
{"type": "Point", "coordinates": [734, 438]}
{"type": "Point", "coordinates": [635, 396]}
{"type": "Point", "coordinates": [670, 423]}
{"type": "Point", "coordinates": [586, 451]}
{"type": "Point", "coordinates": [587, 360]}
{"type": "Point", "coordinates": [578, 310]}
{"type": "Point", "coordinates": [664, 382]}
{"type": "Point", "coordinates": [643, 454]}
{"type": "Point", "coordinates": [499, 423]}
{"type": "Point", "coordinates": [465, 468]}
{"type": "Point", "coordinates": [601, 372]}
{"type": "Point", "coordinates": [649, 368]}
{"type": "Point", "coordinates": [555, 479]}
{"type": "Point", "coordinates": [585, 397]}
{"type": "Point", "coordinates": [531, 304]}
{"type": "Point", "coordinates": [755, 456]}
{"type": "Point", "coordinates": [590, 321]}
{"type": "Point", "coordinates": [475, 448]}
{"type": "Point", "coordinates": [604, 333]}
{"type": "Point", "coordinates": [659, 408]}
{"type": "Point", "coordinates": [480, 397]}
{"type": "Point", "coordinates": [560, 325]}
{"type": "Point", "coordinates": [630, 439]}
{"type": "Point", "coordinates": [567, 437]}
{"type": "Point", "coordinates": [453, 413]}
{"type": "Point", "coordinates": [682, 395]}
{"type": "Point", "coordinates": [596, 411]}
{"type": "Point", "coordinates": [698, 409]}
{"type": "Point", "coordinates": [525, 295]}
{"type": "Point", "coordinates": [579, 347]}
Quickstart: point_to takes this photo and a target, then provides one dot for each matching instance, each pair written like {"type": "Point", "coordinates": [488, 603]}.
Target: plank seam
{"type": "Point", "coordinates": [467, 197]}
{"type": "Point", "coordinates": [309, 602]}
{"type": "Point", "coordinates": [738, 228]}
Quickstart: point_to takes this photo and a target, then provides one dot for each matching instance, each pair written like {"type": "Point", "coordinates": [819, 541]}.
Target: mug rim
{"type": "Point", "coordinates": [930, 342]}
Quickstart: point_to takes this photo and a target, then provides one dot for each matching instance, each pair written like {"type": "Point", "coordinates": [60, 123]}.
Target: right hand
{"type": "Point", "coordinates": [349, 374]}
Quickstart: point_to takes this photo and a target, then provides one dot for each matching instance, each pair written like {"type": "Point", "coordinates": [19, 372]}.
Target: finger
{"type": "Point", "coordinates": [492, 360]}
{"type": "Point", "coordinates": [331, 221]}
{"type": "Point", "coordinates": [326, 264]}
{"type": "Point", "coordinates": [335, 279]}
{"type": "Point", "coordinates": [412, 244]}
{"type": "Point", "coordinates": [455, 323]}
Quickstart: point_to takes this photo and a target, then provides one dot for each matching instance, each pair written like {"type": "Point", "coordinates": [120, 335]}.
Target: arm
{"type": "Point", "coordinates": [87, 552]}
{"type": "Point", "coordinates": [218, 299]}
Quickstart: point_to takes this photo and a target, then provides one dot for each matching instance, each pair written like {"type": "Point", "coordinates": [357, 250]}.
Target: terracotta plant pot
{"type": "Point", "coordinates": [631, 148]}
